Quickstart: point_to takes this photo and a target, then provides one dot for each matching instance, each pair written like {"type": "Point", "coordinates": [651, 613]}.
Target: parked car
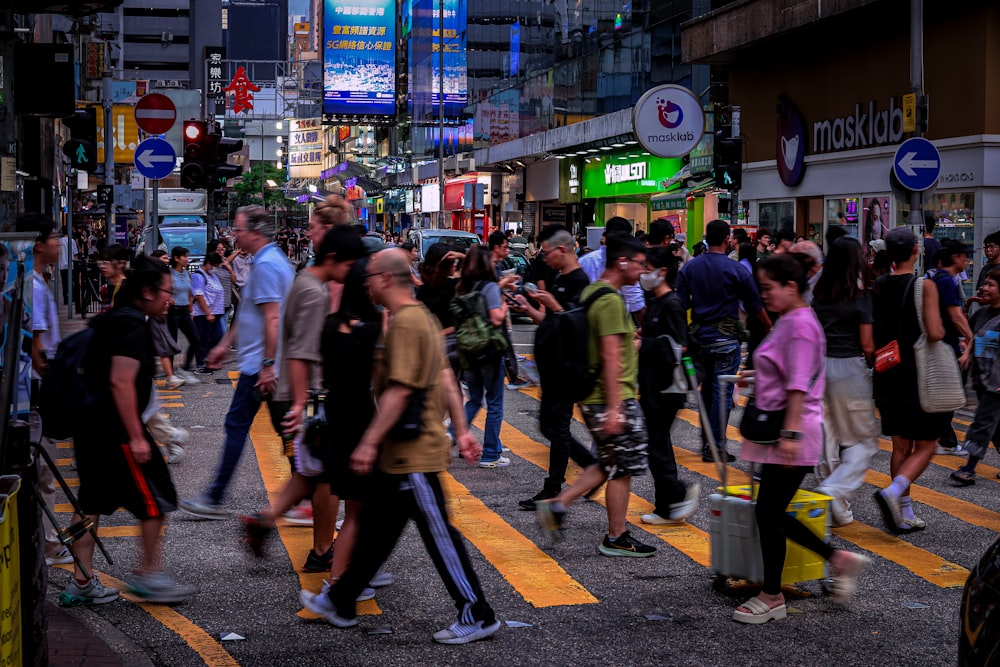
{"type": "Point", "coordinates": [979, 639]}
{"type": "Point", "coordinates": [425, 238]}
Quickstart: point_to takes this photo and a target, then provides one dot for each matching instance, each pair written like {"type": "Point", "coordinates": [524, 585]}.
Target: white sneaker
{"type": "Point", "coordinates": [174, 382]}
{"type": "Point", "coordinates": [187, 376]}
{"type": "Point", "coordinates": [382, 578]}
{"type": "Point", "coordinates": [318, 603]}
{"type": "Point", "coordinates": [501, 462]}
{"type": "Point", "coordinates": [64, 557]}
{"type": "Point", "coordinates": [682, 510]}
{"type": "Point", "coordinates": [463, 633]}
{"type": "Point", "coordinates": [957, 450]}
{"type": "Point", "coordinates": [175, 452]}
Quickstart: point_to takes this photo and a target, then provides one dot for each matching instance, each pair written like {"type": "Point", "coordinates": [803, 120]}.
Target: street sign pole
{"type": "Point", "coordinates": [69, 246]}
{"type": "Point", "coordinates": [917, 87]}
{"type": "Point", "coordinates": [154, 211]}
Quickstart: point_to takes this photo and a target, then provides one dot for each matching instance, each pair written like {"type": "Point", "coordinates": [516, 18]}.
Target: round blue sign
{"type": "Point", "coordinates": [155, 158]}
{"type": "Point", "coordinates": [917, 164]}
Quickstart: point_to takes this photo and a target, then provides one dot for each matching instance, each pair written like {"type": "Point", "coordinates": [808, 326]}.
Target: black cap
{"type": "Point", "coordinates": [900, 237]}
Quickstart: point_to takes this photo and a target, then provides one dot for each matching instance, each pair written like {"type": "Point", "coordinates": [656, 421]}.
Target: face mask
{"type": "Point", "coordinates": [650, 281]}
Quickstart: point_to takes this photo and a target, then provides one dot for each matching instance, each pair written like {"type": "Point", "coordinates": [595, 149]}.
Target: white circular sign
{"type": "Point", "coordinates": [668, 121]}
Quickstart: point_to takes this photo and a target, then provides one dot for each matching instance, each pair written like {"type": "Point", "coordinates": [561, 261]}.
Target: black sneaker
{"type": "Point", "coordinates": [706, 456]}
{"type": "Point", "coordinates": [625, 545]}
{"type": "Point", "coordinates": [256, 533]}
{"type": "Point", "coordinates": [529, 505]}
{"type": "Point", "coordinates": [550, 520]}
{"type": "Point", "coordinates": [318, 563]}
{"type": "Point", "coordinates": [204, 371]}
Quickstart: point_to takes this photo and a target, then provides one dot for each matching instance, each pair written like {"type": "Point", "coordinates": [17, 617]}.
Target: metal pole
{"type": "Point", "coordinates": [916, 219]}
{"type": "Point", "coordinates": [109, 142]}
{"type": "Point", "coordinates": [154, 207]}
{"type": "Point", "coordinates": [69, 247]}
{"type": "Point", "coordinates": [441, 219]}
{"type": "Point", "coordinates": [263, 199]}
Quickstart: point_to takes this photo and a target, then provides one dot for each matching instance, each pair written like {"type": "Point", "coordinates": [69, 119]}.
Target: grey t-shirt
{"type": "Point", "coordinates": [302, 317]}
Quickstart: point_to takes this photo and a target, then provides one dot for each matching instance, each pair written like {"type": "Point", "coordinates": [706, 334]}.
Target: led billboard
{"type": "Point", "coordinates": [359, 57]}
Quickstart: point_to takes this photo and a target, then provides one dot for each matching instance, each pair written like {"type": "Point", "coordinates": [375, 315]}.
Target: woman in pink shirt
{"type": "Point", "coordinates": [789, 375]}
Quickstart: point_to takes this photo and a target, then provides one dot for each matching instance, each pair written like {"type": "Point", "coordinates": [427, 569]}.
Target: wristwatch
{"type": "Point", "coordinates": [788, 434]}
{"type": "Point", "coordinates": [267, 363]}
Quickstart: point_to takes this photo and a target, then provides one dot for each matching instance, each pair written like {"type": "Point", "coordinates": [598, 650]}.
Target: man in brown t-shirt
{"type": "Point", "coordinates": [404, 473]}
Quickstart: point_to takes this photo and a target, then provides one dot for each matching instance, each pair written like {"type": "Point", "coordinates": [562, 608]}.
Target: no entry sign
{"type": "Point", "coordinates": [155, 113]}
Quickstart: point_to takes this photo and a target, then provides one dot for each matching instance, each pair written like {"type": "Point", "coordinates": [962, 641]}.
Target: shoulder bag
{"type": "Point", "coordinates": [889, 356]}
{"type": "Point", "coordinates": [939, 380]}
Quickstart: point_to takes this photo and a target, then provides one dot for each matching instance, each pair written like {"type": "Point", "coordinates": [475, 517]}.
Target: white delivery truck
{"type": "Point", "coordinates": [182, 217]}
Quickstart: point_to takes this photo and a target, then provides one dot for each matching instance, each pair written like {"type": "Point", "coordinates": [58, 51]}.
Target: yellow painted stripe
{"type": "Point", "coordinates": [63, 462]}
{"type": "Point", "coordinates": [64, 508]}
{"type": "Point", "coordinates": [72, 482]}
{"type": "Point", "coordinates": [530, 571]}
{"type": "Point", "coordinates": [985, 472]}
{"type": "Point", "coordinates": [686, 538]}
{"type": "Point", "coordinates": [275, 472]}
{"type": "Point", "coordinates": [119, 531]}
{"type": "Point", "coordinates": [64, 445]}
{"type": "Point", "coordinates": [924, 564]}
{"type": "Point", "coordinates": [968, 512]}
{"type": "Point", "coordinates": [172, 405]}
{"type": "Point", "coordinates": [206, 646]}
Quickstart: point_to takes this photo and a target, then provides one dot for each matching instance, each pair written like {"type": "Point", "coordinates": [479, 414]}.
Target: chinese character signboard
{"type": "Point", "coordinates": [242, 89]}
{"type": "Point", "coordinates": [215, 79]}
{"type": "Point", "coordinates": [95, 60]}
{"type": "Point", "coordinates": [305, 148]}
{"type": "Point", "coordinates": [359, 57]}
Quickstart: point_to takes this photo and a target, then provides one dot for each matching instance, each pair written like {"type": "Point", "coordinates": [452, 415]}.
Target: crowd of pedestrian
{"type": "Point", "coordinates": [361, 355]}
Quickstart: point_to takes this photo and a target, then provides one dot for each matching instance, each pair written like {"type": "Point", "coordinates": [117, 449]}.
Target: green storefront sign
{"type": "Point", "coordinates": [628, 173]}
{"type": "Point", "coordinates": [672, 204]}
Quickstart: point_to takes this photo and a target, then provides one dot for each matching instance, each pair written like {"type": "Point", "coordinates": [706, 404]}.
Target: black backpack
{"type": "Point", "coordinates": [65, 395]}
{"type": "Point", "coordinates": [571, 349]}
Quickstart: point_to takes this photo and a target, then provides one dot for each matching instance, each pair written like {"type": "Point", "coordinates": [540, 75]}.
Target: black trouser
{"type": "Point", "coordinates": [554, 418]}
{"type": "Point", "coordinates": [778, 485]}
{"type": "Point", "coordinates": [179, 319]}
{"type": "Point", "coordinates": [660, 414]}
{"type": "Point", "coordinates": [394, 500]}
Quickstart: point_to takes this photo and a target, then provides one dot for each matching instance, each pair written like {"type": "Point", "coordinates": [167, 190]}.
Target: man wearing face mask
{"type": "Point", "coordinates": [665, 316]}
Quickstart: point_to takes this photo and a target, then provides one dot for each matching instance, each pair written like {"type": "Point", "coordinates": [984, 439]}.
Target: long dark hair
{"type": "Point", "coordinates": [788, 267]}
{"type": "Point", "coordinates": [748, 251]}
{"type": "Point", "coordinates": [477, 267]}
{"type": "Point", "coordinates": [433, 270]}
{"type": "Point", "coordinates": [842, 272]}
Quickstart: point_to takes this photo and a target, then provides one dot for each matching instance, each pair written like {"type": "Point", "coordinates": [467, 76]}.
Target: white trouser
{"type": "Point", "coordinates": [849, 427]}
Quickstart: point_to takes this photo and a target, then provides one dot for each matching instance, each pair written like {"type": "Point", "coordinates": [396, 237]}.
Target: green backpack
{"type": "Point", "coordinates": [477, 341]}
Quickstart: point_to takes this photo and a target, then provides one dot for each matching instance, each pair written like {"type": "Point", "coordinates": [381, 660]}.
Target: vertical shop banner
{"type": "Point", "coordinates": [124, 134]}
{"type": "Point", "coordinates": [305, 148]}
{"type": "Point", "coordinates": [121, 230]}
{"type": "Point", "coordinates": [16, 249]}
{"type": "Point", "coordinates": [359, 57]}
{"type": "Point", "coordinates": [215, 80]}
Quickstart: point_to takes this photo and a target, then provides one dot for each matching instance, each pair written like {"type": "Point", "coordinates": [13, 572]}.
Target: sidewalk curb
{"type": "Point", "coordinates": [130, 653]}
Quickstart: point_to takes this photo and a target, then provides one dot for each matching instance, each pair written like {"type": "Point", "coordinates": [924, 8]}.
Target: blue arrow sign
{"type": "Point", "coordinates": [917, 164]}
{"type": "Point", "coordinates": [155, 158]}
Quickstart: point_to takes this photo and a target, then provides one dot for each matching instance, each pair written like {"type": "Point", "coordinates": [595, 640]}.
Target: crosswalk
{"type": "Point", "coordinates": [527, 563]}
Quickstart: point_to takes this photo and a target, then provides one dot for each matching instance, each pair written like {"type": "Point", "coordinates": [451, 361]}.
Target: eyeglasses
{"type": "Point", "coordinates": [165, 291]}
{"type": "Point", "coordinates": [366, 276]}
{"type": "Point", "coordinates": [992, 246]}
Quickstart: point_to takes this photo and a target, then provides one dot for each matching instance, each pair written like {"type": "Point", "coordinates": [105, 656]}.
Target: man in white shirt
{"type": "Point", "coordinates": [593, 265]}
{"type": "Point", "coordinates": [44, 343]}
{"type": "Point", "coordinates": [64, 249]}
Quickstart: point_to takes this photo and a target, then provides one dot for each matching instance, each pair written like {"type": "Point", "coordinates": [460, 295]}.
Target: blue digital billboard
{"type": "Point", "coordinates": [425, 45]}
{"type": "Point", "coordinates": [359, 57]}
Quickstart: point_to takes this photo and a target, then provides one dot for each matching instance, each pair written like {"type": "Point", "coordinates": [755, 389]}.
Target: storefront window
{"type": "Point", "coordinates": [776, 216]}
{"type": "Point", "coordinates": [844, 212]}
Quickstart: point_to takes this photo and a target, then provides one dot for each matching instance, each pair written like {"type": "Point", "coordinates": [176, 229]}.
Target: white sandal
{"type": "Point", "coordinates": [759, 612]}
{"type": "Point", "coordinates": [843, 585]}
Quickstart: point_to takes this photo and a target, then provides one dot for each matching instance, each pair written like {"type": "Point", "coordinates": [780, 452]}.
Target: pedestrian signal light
{"type": "Point", "coordinates": [81, 149]}
{"type": "Point", "coordinates": [728, 161]}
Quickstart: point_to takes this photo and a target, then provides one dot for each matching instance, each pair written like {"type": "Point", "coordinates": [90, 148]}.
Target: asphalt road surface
{"type": "Point", "coordinates": [577, 607]}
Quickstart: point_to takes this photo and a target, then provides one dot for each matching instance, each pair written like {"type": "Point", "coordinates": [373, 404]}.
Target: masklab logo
{"type": "Point", "coordinates": [668, 109]}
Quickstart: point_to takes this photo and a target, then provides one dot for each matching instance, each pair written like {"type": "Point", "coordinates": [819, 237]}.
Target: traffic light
{"type": "Point", "coordinates": [197, 155]}
{"type": "Point", "coordinates": [82, 148]}
{"type": "Point", "coordinates": [221, 169]}
{"type": "Point", "coordinates": [727, 161]}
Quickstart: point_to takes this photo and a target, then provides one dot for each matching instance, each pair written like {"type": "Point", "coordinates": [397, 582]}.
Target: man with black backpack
{"type": "Point", "coordinates": [556, 411]}
{"type": "Point", "coordinates": [611, 410]}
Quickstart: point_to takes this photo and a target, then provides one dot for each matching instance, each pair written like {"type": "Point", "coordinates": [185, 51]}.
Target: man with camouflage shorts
{"type": "Point", "coordinates": [611, 412]}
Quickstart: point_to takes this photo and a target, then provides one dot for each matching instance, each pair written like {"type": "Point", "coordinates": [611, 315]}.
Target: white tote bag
{"type": "Point", "coordinates": [939, 380]}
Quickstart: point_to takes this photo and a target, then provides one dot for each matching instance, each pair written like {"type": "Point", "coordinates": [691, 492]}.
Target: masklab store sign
{"type": "Point", "coordinates": [868, 126]}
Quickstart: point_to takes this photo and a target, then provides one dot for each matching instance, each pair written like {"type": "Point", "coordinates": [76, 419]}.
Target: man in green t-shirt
{"type": "Point", "coordinates": [611, 411]}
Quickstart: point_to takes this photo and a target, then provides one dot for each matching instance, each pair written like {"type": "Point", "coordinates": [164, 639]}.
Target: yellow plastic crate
{"type": "Point", "coordinates": [812, 510]}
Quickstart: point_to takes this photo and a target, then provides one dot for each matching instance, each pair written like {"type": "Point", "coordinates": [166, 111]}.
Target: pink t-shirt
{"type": "Point", "coordinates": [792, 358]}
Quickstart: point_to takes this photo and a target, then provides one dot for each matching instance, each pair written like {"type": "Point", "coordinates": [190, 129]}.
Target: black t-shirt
{"type": "Point", "coordinates": [566, 289]}
{"type": "Point", "coordinates": [841, 322]}
{"type": "Point", "coordinates": [949, 296]}
{"type": "Point", "coordinates": [437, 299]}
{"type": "Point", "coordinates": [665, 316]}
{"type": "Point", "coordinates": [121, 332]}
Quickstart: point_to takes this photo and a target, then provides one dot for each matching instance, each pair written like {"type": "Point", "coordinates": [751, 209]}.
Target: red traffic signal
{"type": "Point", "coordinates": [194, 171]}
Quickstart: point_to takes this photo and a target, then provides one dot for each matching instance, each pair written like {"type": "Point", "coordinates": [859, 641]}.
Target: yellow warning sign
{"type": "Point", "coordinates": [910, 112]}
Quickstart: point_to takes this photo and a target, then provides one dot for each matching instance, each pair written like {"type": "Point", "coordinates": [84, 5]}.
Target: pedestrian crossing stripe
{"type": "Point", "coordinates": [536, 576]}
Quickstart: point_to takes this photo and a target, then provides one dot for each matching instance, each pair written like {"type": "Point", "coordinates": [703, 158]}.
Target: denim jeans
{"type": "Point", "coordinates": [209, 334]}
{"type": "Point", "coordinates": [242, 410]}
{"type": "Point", "coordinates": [718, 358]}
{"type": "Point", "coordinates": [487, 381]}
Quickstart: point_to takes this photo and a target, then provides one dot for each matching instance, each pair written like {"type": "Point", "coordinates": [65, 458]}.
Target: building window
{"type": "Point", "coordinates": [776, 216]}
